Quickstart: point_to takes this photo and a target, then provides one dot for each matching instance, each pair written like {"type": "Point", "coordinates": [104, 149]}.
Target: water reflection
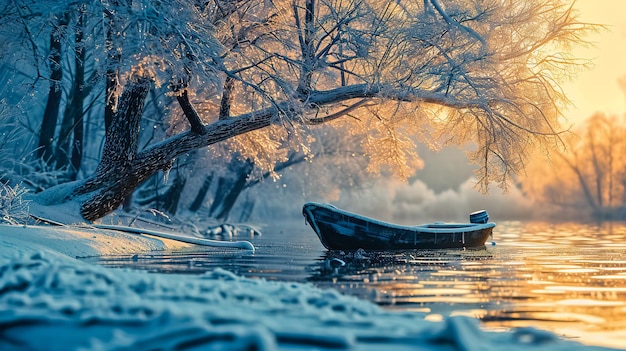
{"type": "Point", "coordinates": [412, 279]}
{"type": "Point", "coordinates": [567, 278]}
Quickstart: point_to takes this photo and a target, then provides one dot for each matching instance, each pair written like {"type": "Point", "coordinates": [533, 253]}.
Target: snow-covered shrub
{"type": "Point", "coordinates": [13, 207]}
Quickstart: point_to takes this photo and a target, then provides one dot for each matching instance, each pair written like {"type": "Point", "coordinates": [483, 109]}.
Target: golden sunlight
{"type": "Point", "coordinates": [598, 89]}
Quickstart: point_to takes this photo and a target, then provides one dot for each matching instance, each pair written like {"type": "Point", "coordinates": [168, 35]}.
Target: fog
{"type": "Point", "coordinates": [444, 190]}
{"type": "Point", "coordinates": [414, 203]}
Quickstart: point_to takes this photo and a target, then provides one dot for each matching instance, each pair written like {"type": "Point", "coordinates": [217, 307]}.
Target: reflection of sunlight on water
{"type": "Point", "coordinates": [588, 302]}
{"type": "Point", "coordinates": [612, 277]}
{"type": "Point", "coordinates": [569, 279]}
{"type": "Point", "coordinates": [577, 270]}
{"type": "Point", "coordinates": [575, 285]}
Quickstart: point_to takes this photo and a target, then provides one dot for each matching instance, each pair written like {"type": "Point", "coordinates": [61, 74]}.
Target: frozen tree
{"type": "Point", "coordinates": [261, 74]}
{"type": "Point", "coordinates": [50, 66]}
{"type": "Point", "coordinates": [334, 159]}
{"type": "Point", "coordinates": [589, 176]}
{"type": "Point", "coordinates": [224, 177]}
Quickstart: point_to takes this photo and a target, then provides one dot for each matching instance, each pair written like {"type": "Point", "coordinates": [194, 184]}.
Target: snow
{"type": "Point", "coordinates": [49, 300]}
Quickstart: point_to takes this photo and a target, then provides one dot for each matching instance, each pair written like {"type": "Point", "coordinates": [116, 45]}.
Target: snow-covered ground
{"type": "Point", "coordinates": [49, 300]}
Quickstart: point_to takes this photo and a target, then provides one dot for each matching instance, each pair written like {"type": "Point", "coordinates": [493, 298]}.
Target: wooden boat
{"type": "Point", "coordinates": [343, 230]}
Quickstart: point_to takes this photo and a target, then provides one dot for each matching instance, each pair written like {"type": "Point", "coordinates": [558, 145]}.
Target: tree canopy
{"type": "Point", "coordinates": [261, 74]}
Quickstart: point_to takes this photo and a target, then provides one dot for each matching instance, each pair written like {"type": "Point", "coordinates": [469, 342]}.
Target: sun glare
{"type": "Point", "coordinates": [597, 89]}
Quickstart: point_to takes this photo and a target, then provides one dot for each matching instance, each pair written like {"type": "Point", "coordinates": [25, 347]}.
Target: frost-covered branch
{"type": "Point", "coordinates": [225, 129]}
{"type": "Point", "coordinates": [338, 114]}
{"type": "Point", "coordinates": [455, 23]}
{"type": "Point", "coordinates": [190, 112]}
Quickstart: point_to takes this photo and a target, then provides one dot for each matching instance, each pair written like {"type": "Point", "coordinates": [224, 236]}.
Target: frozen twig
{"type": "Point", "coordinates": [246, 245]}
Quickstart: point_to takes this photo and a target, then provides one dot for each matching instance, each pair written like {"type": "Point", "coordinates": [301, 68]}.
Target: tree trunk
{"type": "Point", "coordinates": [204, 189]}
{"type": "Point", "coordinates": [230, 187]}
{"type": "Point", "coordinates": [227, 95]}
{"type": "Point", "coordinates": [63, 147]}
{"type": "Point", "coordinates": [599, 172]}
{"type": "Point", "coordinates": [167, 200]}
{"type": "Point", "coordinates": [70, 140]}
{"type": "Point", "coordinates": [307, 47]}
{"type": "Point", "coordinates": [117, 176]}
{"type": "Point", "coordinates": [171, 198]}
{"type": "Point", "coordinates": [115, 180]}
{"type": "Point", "coordinates": [583, 183]}
{"type": "Point", "coordinates": [246, 212]}
{"type": "Point", "coordinates": [114, 59]}
{"type": "Point", "coordinates": [51, 112]}
{"type": "Point", "coordinates": [226, 188]}
{"type": "Point", "coordinates": [78, 97]}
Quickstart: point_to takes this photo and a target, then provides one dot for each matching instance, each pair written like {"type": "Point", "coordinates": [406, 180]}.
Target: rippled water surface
{"type": "Point", "coordinates": [567, 278]}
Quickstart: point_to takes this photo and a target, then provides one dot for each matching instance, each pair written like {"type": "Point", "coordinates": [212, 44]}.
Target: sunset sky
{"type": "Point", "coordinates": [598, 88]}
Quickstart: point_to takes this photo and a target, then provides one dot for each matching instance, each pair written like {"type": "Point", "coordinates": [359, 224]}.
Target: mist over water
{"type": "Point", "coordinates": [415, 202]}
{"type": "Point", "coordinates": [444, 190]}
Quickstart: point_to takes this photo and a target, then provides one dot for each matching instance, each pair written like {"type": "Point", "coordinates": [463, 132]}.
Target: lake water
{"type": "Point", "coordinates": [564, 277]}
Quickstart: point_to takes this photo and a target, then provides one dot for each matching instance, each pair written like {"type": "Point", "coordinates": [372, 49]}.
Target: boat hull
{"type": "Point", "coordinates": [341, 230]}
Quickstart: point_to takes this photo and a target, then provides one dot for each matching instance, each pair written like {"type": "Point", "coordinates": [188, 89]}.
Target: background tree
{"type": "Point", "coordinates": [589, 176]}
{"type": "Point", "coordinates": [64, 64]}
{"type": "Point", "coordinates": [482, 71]}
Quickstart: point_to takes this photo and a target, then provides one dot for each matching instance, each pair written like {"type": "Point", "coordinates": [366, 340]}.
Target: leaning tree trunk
{"type": "Point", "coordinates": [116, 177]}
{"type": "Point", "coordinates": [230, 187]}
{"type": "Point", "coordinates": [204, 189]}
{"type": "Point", "coordinates": [122, 169]}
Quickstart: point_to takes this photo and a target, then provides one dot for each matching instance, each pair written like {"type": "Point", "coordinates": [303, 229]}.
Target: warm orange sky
{"type": "Point", "coordinates": [598, 89]}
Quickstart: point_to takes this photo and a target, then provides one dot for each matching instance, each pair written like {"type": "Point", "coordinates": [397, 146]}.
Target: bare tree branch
{"type": "Point", "coordinates": [190, 112]}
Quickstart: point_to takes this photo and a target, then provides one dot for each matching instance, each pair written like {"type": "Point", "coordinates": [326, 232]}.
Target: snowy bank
{"type": "Point", "coordinates": [51, 301]}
